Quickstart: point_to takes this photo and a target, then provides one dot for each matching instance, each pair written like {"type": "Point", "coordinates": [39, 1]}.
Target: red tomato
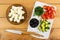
{"type": "Point", "coordinates": [52, 16]}
{"type": "Point", "coordinates": [45, 7]}
{"type": "Point", "coordinates": [43, 16]}
{"type": "Point", "coordinates": [49, 13]}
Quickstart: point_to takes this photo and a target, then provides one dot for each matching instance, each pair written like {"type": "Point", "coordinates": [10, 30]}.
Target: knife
{"type": "Point", "coordinates": [22, 33]}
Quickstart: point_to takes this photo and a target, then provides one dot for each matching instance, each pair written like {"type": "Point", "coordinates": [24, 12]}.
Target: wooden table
{"type": "Point", "coordinates": [28, 4]}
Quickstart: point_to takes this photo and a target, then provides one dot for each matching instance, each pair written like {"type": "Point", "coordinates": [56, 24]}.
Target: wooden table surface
{"type": "Point", "coordinates": [28, 4]}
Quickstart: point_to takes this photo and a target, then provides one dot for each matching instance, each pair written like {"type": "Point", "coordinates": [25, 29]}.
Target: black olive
{"type": "Point", "coordinates": [34, 22]}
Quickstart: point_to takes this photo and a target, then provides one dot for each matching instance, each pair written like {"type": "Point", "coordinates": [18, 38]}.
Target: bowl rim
{"type": "Point", "coordinates": [8, 10]}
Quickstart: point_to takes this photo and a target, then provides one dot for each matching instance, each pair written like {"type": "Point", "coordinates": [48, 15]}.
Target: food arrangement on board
{"type": "Point", "coordinates": [42, 19]}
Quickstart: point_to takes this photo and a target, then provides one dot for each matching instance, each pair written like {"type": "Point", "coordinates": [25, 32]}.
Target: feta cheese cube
{"type": "Point", "coordinates": [10, 14]}
{"type": "Point", "coordinates": [18, 21]}
{"type": "Point", "coordinates": [11, 19]}
{"type": "Point", "coordinates": [20, 8]}
{"type": "Point", "coordinates": [16, 17]}
{"type": "Point", "coordinates": [22, 17]}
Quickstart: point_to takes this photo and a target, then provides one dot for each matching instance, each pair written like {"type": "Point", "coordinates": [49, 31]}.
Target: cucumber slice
{"type": "Point", "coordinates": [44, 26]}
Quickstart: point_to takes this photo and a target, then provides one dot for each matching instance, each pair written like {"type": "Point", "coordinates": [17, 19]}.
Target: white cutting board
{"type": "Point", "coordinates": [30, 29]}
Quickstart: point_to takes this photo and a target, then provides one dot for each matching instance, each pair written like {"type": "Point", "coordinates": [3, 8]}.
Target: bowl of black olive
{"type": "Point", "coordinates": [34, 22]}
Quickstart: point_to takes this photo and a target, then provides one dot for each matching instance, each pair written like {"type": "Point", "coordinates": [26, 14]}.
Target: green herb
{"type": "Point", "coordinates": [38, 11]}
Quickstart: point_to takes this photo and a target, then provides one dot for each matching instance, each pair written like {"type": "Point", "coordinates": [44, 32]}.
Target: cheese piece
{"type": "Point", "coordinates": [13, 15]}
{"type": "Point", "coordinates": [22, 17]}
{"type": "Point", "coordinates": [20, 11]}
{"type": "Point", "coordinates": [20, 7]}
{"type": "Point", "coordinates": [20, 14]}
{"type": "Point", "coordinates": [11, 19]}
{"type": "Point", "coordinates": [15, 18]}
{"type": "Point", "coordinates": [15, 9]}
{"type": "Point", "coordinates": [18, 21]}
{"type": "Point", "coordinates": [10, 14]}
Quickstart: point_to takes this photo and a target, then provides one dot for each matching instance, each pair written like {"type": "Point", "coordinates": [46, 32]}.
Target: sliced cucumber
{"type": "Point", "coordinates": [44, 26]}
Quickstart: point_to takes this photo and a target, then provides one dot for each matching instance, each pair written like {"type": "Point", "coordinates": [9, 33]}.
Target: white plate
{"type": "Point", "coordinates": [30, 29]}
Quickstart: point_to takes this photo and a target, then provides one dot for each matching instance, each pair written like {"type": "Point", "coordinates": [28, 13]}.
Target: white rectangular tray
{"type": "Point", "coordinates": [45, 34]}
